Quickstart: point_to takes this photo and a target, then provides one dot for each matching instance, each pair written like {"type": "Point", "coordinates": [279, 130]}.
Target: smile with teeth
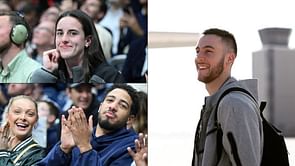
{"type": "Point", "coordinates": [202, 67]}
{"type": "Point", "coordinates": [22, 125]}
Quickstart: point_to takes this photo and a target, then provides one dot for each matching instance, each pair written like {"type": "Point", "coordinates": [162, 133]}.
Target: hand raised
{"type": "Point", "coordinates": [50, 59]}
{"type": "Point", "coordinates": [67, 141]}
{"type": "Point", "coordinates": [81, 130]}
{"type": "Point", "coordinates": [5, 137]}
{"type": "Point", "coordinates": [141, 147]}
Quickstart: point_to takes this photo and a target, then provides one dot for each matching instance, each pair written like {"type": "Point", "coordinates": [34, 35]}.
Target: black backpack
{"type": "Point", "coordinates": [274, 148]}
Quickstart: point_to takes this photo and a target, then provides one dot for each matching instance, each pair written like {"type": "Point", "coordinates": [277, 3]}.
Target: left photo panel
{"type": "Point", "coordinates": [70, 124]}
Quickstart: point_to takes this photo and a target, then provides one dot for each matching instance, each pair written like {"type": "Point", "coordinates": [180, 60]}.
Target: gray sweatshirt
{"type": "Point", "coordinates": [238, 116]}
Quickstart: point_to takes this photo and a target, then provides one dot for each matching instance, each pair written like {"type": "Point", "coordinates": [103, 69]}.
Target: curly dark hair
{"type": "Point", "coordinates": [132, 93]}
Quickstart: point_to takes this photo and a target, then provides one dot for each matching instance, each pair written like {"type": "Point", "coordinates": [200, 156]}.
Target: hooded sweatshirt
{"type": "Point", "coordinates": [107, 150]}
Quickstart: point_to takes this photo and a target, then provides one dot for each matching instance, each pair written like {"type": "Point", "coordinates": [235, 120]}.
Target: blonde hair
{"type": "Point", "coordinates": [4, 117]}
{"type": "Point", "coordinates": [21, 97]}
{"type": "Point", "coordinates": [7, 108]}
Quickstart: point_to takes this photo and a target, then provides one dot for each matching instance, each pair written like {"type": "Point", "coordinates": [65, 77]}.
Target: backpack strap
{"type": "Point", "coordinates": [219, 130]}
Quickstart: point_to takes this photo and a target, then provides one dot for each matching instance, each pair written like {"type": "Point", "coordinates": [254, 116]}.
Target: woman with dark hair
{"type": "Point", "coordinates": [78, 56]}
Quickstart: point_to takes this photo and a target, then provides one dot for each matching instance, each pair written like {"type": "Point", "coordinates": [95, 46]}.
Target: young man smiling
{"type": "Point", "coordinates": [238, 114]}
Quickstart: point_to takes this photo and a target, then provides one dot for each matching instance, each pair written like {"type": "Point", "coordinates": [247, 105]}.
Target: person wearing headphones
{"type": "Point", "coordinates": [15, 64]}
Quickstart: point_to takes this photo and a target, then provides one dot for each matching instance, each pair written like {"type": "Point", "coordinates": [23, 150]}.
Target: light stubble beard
{"type": "Point", "coordinates": [214, 73]}
{"type": "Point", "coordinates": [4, 49]}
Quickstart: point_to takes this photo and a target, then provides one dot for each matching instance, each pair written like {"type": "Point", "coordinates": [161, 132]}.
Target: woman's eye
{"type": "Point", "coordinates": [31, 113]}
{"type": "Point", "coordinates": [73, 33]}
{"type": "Point", "coordinates": [17, 111]}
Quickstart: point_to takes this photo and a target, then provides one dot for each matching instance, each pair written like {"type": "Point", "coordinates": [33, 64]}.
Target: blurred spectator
{"type": "Point", "coordinates": [51, 14]}
{"type": "Point", "coordinates": [3, 98]}
{"type": "Point", "coordinates": [20, 89]}
{"type": "Point", "coordinates": [67, 5]}
{"type": "Point", "coordinates": [30, 13]}
{"type": "Point", "coordinates": [3, 101]}
{"type": "Point", "coordinates": [112, 21]}
{"type": "Point", "coordinates": [17, 4]}
{"type": "Point", "coordinates": [96, 9]}
{"type": "Point", "coordinates": [134, 23]}
{"type": "Point", "coordinates": [140, 123]}
{"type": "Point", "coordinates": [33, 90]}
{"type": "Point", "coordinates": [100, 90]}
{"type": "Point", "coordinates": [134, 69]}
{"type": "Point", "coordinates": [81, 96]}
{"type": "Point", "coordinates": [50, 112]}
{"type": "Point", "coordinates": [15, 65]}
{"type": "Point", "coordinates": [43, 39]}
{"type": "Point", "coordinates": [5, 6]}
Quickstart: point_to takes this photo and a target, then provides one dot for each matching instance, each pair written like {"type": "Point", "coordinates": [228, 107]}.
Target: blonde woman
{"type": "Point", "coordinates": [16, 144]}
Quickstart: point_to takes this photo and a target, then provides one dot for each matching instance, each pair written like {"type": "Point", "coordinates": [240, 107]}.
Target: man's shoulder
{"type": "Point", "coordinates": [31, 62]}
{"type": "Point", "coordinates": [26, 62]}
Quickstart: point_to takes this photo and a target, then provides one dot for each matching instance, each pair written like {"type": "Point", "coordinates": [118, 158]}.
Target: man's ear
{"type": "Point", "coordinates": [99, 107]}
{"type": "Point", "coordinates": [230, 58]}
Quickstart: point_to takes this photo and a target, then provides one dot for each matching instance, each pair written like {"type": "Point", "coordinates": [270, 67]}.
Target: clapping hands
{"type": "Point", "coordinates": [76, 131]}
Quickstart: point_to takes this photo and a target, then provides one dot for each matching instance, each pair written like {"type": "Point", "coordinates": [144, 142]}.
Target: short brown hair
{"type": "Point", "coordinates": [227, 37]}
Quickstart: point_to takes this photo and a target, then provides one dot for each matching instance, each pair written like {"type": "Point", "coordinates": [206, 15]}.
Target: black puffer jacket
{"type": "Point", "coordinates": [26, 153]}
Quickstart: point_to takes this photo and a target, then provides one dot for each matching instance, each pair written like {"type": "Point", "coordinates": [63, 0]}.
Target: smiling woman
{"type": "Point", "coordinates": [17, 146]}
{"type": "Point", "coordinates": [78, 56]}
